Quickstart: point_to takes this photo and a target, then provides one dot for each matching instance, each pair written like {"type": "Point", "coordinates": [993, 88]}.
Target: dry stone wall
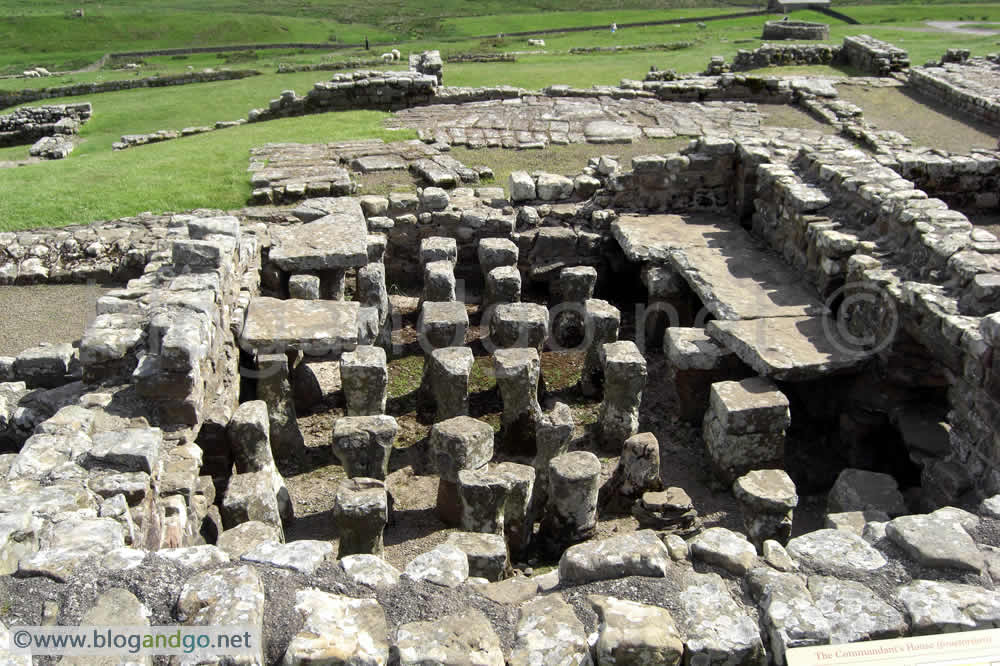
{"type": "Point", "coordinates": [795, 30]}
{"type": "Point", "coordinates": [964, 86]}
{"type": "Point", "coordinates": [17, 97]}
{"type": "Point", "coordinates": [781, 55]}
{"type": "Point", "coordinates": [874, 56]}
{"type": "Point", "coordinates": [31, 123]}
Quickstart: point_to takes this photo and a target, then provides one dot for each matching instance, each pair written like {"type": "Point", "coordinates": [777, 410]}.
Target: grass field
{"type": "Point", "coordinates": [210, 170]}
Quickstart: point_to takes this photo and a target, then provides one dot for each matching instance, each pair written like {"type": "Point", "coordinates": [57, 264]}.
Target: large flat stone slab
{"type": "Point", "coordinates": [314, 327]}
{"type": "Point", "coordinates": [732, 274]}
{"type": "Point", "coordinates": [649, 238]}
{"type": "Point", "coordinates": [337, 240]}
{"type": "Point", "coordinates": [788, 348]}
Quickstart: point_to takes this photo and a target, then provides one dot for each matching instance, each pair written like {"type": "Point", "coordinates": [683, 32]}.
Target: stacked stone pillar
{"type": "Point", "coordinates": [364, 378]}
{"type": "Point", "coordinates": [553, 435]}
{"type": "Point", "coordinates": [624, 379]}
{"type": "Point", "coordinates": [363, 444]}
{"type": "Point", "coordinates": [304, 286]}
{"type": "Point", "coordinates": [574, 288]}
{"type": "Point", "coordinates": [438, 256]}
{"type": "Point", "coordinates": [519, 325]}
{"type": "Point", "coordinates": [519, 512]}
{"type": "Point", "coordinates": [361, 511]}
{"type": "Point", "coordinates": [601, 322]}
{"type": "Point", "coordinates": [483, 496]}
{"type": "Point", "coordinates": [517, 373]}
{"type": "Point", "coordinates": [768, 499]}
{"type": "Point", "coordinates": [498, 261]}
{"type": "Point", "coordinates": [371, 289]}
{"type": "Point", "coordinates": [441, 324]}
{"type": "Point", "coordinates": [274, 387]}
{"type": "Point", "coordinates": [460, 443]}
{"type": "Point", "coordinates": [666, 305]}
{"type": "Point", "coordinates": [744, 427]}
{"type": "Point", "coordinates": [571, 513]}
{"type": "Point", "coordinates": [695, 362]}
{"type": "Point", "coordinates": [444, 387]}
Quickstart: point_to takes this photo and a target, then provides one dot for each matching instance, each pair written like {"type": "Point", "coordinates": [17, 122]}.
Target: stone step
{"type": "Point", "coordinates": [314, 327]}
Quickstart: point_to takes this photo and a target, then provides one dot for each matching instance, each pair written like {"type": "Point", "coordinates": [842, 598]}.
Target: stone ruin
{"type": "Point", "coordinates": [795, 30]}
{"type": "Point", "coordinates": [48, 128]}
{"type": "Point", "coordinates": [827, 326]}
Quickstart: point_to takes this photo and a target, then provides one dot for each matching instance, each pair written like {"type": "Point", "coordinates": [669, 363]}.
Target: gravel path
{"type": "Point", "coordinates": [44, 313]}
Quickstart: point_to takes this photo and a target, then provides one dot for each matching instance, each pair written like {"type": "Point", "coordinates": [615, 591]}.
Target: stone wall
{"type": "Point", "coordinates": [17, 97]}
{"type": "Point", "coordinates": [874, 56]}
{"type": "Point", "coordinates": [742, 87]}
{"type": "Point", "coordinates": [286, 68]}
{"type": "Point", "coordinates": [363, 89]}
{"type": "Point", "coordinates": [480, 57]}
{"type": "Point", "coordinates": [31, 123]}
{"type": "Point", "coordinates": [780, 55]}
{"type": "Point", "coordinates": [961, 86]}
{"type": "Point", "coordinates": [795, 30]}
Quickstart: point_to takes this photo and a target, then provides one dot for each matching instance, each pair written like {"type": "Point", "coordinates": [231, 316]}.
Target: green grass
{"type": "Point", "coordinates": [207, 170]}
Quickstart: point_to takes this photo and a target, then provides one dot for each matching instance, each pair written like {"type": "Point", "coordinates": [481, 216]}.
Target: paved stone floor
{"type": "Point", "coordinates": [537, 121]}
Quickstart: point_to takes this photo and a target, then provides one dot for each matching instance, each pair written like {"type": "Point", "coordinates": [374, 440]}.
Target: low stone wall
{"type": "Point", "coordinates": [668, 46]}
{"type": "Point", "coordinates": [363, 89]}
{"type": "Point", "coordinates": [795, 30]}
{"type": "Point", "coordinates": [961, 86]}
{"type": "Point", "coordinates": [742, 87]}
{"type": "Point", "coordinates": [780, 55]}
{"type": "Point", "coordinates": [31, 123]}
{"type": "Point", "coordinates": [132, 140]}
{"type": "Point", "coordinates": [285, 68]}
{"type": "Point", "coordinates": [16, 97]}
{"type": "Point", "coordinates": [480, 57]}
{"type": "Point", "coordinates": [874, 56]}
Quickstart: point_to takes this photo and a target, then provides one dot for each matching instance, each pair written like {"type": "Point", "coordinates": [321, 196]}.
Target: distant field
{"type": "Point", "coordinates": [210, 170]}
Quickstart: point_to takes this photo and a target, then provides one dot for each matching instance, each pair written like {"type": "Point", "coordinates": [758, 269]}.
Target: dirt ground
{"type": "Point", "coordinates": [34, 314]}
{"type": "Point", "coordinates": [416, 528]}
{"type": "Point", "coordinates": [921, 119]}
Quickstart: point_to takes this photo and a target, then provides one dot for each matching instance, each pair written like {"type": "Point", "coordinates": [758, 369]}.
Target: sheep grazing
{"type": "Point", "coordinates": [395, 54]}
{"type": "Point", "coordinates": [387, 57]}
{"type": "Point", "coordinates": [536, 42]}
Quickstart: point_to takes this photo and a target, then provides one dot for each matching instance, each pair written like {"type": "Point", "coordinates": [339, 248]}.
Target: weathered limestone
{"type": "Point", "coordinates": [338, 630]}
{"type": "Point", "coordinates": [574, 287]}
{"type": "Point", "coordinates": [254, 496]}
{"type": "Point", "coordinates": [789, 616]}
{"type": "Point", "coordinates": [363, 444]}
{"type": "Point", "coordinates": [503, 285]}
{"type": "Point", "coordinates": [483, 495]}
{"type": "Point", "coordinates": [487, 554]}
{"type": "Point", "coordinates": [854, 612]}
{"type": "Point", "coordinates": [439, 281]}
{"type": "Point", "coordinates": [638, 471]}
{"type": "Point", "coordinates": [275, 389]}
{"type": "Point", "coordinates": [861, 490]}
{"type": "Point", "coordinates": [695, 362]}
{"type": "Point", "coordinates": [935, 607]}
{"type": "Point", "coordinates": [441, 325]}
{"type": "Point", "coordinates": [519, 325]}
{"type": "Point", "coordinates": [549, 632]}
{"type": "Point", "coordinates": [246, 536]}
{"type": "Point", "coordinates": [517, 373]}
{"type": "Point", "coordinates": [670, 510]}
{"type": "Point", "coordinates": [459, 443]}
{"type": "Point", "coordinates": [725, 548]}
{"type": "Point", "coordinates": [601, 321]}
{"type": "Point", "coordinates": [552, 438]}
{"type": "Point", "coordinates": [496, 252]}
{"type": "Point", "coordinates": [719, 632]}
{"type": "Point", "coordinates": [370, 570]}
{"type": "Point", "coordinates": [444, 387]}
{"type": "Point", "coordinates": [571, 512]}
{"type": "Point", "coordinates": [935, 541]}
{"type": "Point", "coordinates": [461, 638]}
{"type": "Point", "coordinates": [304, 556]}
{"type": "Point", "coordinates": [447, 566]}
{"type": "Point", "coordinates": [767, 498]}
{"type": "Point", "coordinates": [361, 513]}
{"type": "Point", "coordinates": [46, 366]}
{"type": "Point", "coordinates": [438, 248]}
{"type": "Point", "coordinates": [316, 328]}
{"type": "Point", "coordinates": [631, 633]}
{"type": "Point", "coordinates": [832, 549]}
{"type": "Point", "coordinates": [639, 553]}
{"type": "Point", "coordinates": [224, 597]}
{"type": "Point", "coordinates": [304, 286]}
{"type": "Point", "coordinates": [519, 510]}
{"type": "Point", "coordinates": [624, 369]}
{"type": "Point", "coordinates": [372, 293]}
{"type": "Point", "coordinates": [744, 428]}
{"type": "Point", "coordinates": [364, 377]}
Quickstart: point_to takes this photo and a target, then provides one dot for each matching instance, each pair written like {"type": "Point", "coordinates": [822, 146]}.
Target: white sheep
{"type": "Point", "coordinates": [31, 74]}
{"type": "Point", "coordinates": [395, 54]}
{"type": "Point", "coordinates": [386, 57]}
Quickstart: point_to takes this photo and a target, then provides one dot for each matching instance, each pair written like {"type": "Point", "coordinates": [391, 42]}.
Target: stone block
{"type": "Point", "coordinates": [363, 444]}
{"type": "Point", "coordinates": [438, 248]}
{"type": "Point", "coordinates": [496, 252]}
{"type": "Point", "coordinates": [519, 325]}
{"type": "Point", "coordinates": [364, 377]}
{"type": "Point", "coordinates": [304, 286]}
{"type": "Point", "coordinates": [487, 553]}
{"type": "Point", "coordinates": [439, 281]}
{"type": "Point", "coordinates": [503, 285]}
{"type": "Point", "coordinates": [444, 387]}
{"type": "Point", "coordinates": [442, 325]}
{"type": "Point", "coordinates": [361, 511]}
